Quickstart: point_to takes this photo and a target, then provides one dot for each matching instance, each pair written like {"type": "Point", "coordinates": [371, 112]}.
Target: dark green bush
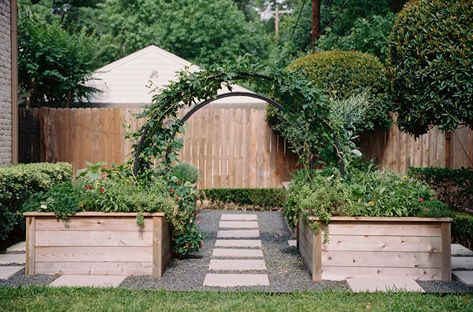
{"type": "Point", "coordinates": [431, 50]}
{"type": "Point", "coordinates": [453, 186]}
{"type": "Point", "coordinates": [342, 74]}
{"type": "Point", "coordinates": [462, 229]}
{"type": "Point", "coordinates": [19, 182]}
{"type": "Point", "coordinates": [186, 173]}
{"type": "Point", "coordinates": [324, 193]}
{"type": "Point", "coordinates": [262, 197]}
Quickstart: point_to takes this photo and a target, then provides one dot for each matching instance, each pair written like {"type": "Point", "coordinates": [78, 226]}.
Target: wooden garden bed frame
{"type": "Point", "coordinates": [417, 248]}
{"type": "Point", "coordinates": [96, 243]}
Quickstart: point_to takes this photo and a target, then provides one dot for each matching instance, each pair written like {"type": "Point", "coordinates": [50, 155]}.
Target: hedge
{"type": "Point", "coordinates": [19, 182]}
{"type": "Point", "coordinates": [462, 229]}
{"type": "Point", "coordinates": [262, 197]}
{"type": "Point", "coordinates": [430, 59]}
{"type": "Point", "coordinates": [342, 74]}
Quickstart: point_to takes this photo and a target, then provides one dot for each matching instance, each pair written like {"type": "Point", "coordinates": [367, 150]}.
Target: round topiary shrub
{"type": "Point", "coordinates": [430, 63]}
{"type": "Point", "coordinates": [186, 173]}
{"type": "Point", "coordinates": [342, 74]}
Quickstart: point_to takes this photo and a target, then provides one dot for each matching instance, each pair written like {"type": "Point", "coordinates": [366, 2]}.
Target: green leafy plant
{"type": "Point", "coordinates": [18, 183]}
{"type": "Point", "coordinates": [186, 173]}
{"type": "Point", "coordinates": [324, 193]}
{"type": "Point", "coordinates": [342, 74]}
{"type": "Point", "coordinates": [261, 197]}
{"type": "Point", "coordinates": [430, 53]}
{"type": "Point", "coordinates": [462, 229]}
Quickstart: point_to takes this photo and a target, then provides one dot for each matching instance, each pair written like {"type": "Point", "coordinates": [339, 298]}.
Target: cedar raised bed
{"type": "Point", "coordinates": [417, 248]}
{"type": "Point", "coordinates": [97, 243]}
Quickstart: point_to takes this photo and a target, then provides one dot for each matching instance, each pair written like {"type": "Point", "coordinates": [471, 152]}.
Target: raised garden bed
{"type": "Point", "coordinates": [97, 243]}
{"type": "Point", "coordinates": [412, 247]}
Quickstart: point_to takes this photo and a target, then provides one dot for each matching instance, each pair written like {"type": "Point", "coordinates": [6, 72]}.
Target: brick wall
{"type": "Point", "coordinates": [5, 84]}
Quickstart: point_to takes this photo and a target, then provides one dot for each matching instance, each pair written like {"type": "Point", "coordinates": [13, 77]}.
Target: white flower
{"type": "Point", "coordinates": [44, 206]}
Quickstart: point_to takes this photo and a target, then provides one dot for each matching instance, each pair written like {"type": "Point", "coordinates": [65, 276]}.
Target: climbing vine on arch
{"type": "Point", "coordinates": [304, 109]}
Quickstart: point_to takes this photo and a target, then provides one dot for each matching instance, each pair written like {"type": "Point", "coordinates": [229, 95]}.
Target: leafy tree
{"type": "Point", "coordinates": [199, 30]}
{"type": "Point", "coordinates": [53, 64]}
{"type": "Point", "coordinates": [430, 61]}
{"type": "Point", "coordinates": [369, 35]}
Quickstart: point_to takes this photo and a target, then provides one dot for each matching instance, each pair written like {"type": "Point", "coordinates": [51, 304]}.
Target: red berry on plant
{"type": "Point", "coordinates": [421, 200]}
{"type": "Point", "coordinates": [102, 190]}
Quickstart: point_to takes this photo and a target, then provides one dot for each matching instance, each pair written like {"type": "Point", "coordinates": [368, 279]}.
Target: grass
{"type": "Point", "coordinates": [90, 299]}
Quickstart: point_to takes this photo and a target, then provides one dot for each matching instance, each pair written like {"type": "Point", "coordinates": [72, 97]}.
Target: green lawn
{"type": "Point", "coordinates": [88, 299]}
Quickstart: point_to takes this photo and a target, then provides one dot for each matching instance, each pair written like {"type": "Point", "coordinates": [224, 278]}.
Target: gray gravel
{"type": "Point", "coordinates": [286, 269]}
{"type": "Point", "coordinates": [20, 279]}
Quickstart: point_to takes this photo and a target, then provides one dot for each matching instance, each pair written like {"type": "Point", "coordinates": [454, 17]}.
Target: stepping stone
{"type": "Point", "coordinates": [238, 224]}
{"type": "Point", "coordinates": [88, 281]}
{"type": "Point", "coordinates": [234, 280]}
{"type": "Point", "coordinates": [466, 277]}
{"type": "Point", "coordinates": [18, 247]}
{"type": "Point", "coordinates": [462, 263]}
{"type": "Point", "coordinates": [459, 250]}
{"type": "Point", "coordinates": [236, 265]}
{"type": "Point", "coordinates": [12, 259]}
{"type": "Point", "coordinates": [237, 253]}
{"type": "Point", "coordinates": [292, 243]}
{"type": "Point", "coordinates": [384, 285]}
{"type": "Point", "coordinates": [238, 217]}
{"type": "Point", "coordinates": [241, 243]}
{"type": "Point", "coordinates": [238, 234]}
{"type": "Point", "coordinates": [7, 271]}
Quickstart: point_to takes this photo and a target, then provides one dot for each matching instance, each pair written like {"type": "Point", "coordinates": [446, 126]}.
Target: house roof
{"type": "Point", "coordinates": [130, 80]}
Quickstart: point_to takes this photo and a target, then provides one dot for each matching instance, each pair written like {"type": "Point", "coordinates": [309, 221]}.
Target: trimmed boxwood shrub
{"type": "Point", "coordinates": [341, 74]}
{"type": "Point", "coordinates": [462, 229]}
{"type": "Point", "coordinates": [430, 61]}
{"type": "Point", "coordinates": [186, 173]}
{"type": "Point", "coordinates": [262, 197]}
{"type": "Point", "coordinates": [453, 186]}
{"type": "Point", "coordinates": [18, 183]}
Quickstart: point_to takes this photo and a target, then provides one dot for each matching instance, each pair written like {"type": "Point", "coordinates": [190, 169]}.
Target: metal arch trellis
{"type": "Point", "coordinates": [164, 106]}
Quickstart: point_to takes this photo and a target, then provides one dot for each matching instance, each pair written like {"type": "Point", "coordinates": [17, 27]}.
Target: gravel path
{"type": "Point", "coordinates": [286, 269]}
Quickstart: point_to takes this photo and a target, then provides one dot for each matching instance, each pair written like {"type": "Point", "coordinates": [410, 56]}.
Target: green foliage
{"type": "Point", "coordinates": [371, 193]}
{"type": "Point", "coordinates": [262, 197]}
{"type": "Point", "coordinates": [454, 187]}
{"type": "Point", "coordinates": [53, 65]}
{"type": "Point", "coordinates": [431, 50]}
{"type": "Point", "coordinates": [462, 229]}
{"type": "Point", "coordinates": [368, 35]}
{"type": "Point", "coordinates": [304, 110]}
{"type": "Point", "coordinates": [19, 182]}
{"type": "Point", "coordinates": [186, 173]}
{"type": "Point", "coordinates": [342, 74]}
{"type": "Point", "coordinates": [202, 31]}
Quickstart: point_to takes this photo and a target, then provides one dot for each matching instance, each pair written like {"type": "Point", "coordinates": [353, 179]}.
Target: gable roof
{"type": "Point", "coordinates": [127, 80]}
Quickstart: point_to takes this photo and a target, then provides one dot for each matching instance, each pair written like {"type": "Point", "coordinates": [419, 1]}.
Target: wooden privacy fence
{"type": "Point", "coordinates": [231, 145]}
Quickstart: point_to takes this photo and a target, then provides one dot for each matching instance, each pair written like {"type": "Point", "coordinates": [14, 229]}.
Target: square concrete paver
{"type": "Point", "coordinates": [238, 234]}
{"type": "Point", "coordinates": [237, 265]}
{"type": "Point", "coordinates": [18, 247]}
{"type": "Point", "coordinates": [88, 281]}
{"type": "Point", "coordinates": [292, 243]}
{"type": "Point", "coordinates": [238, 243]}
{"type": "Point", "coordinates": [238, 217]}
{"type": "Point", "coordinates": [373, 285]}
{"type": "Point", "coordinates": [7, 271]}
{"type": "Point", "coordinates": [459, 250]}
{"type": "Point", "coordinates": [462, 263]}
{"type": "Point", "coordinates": [237, 253]}
{"type": "Point", "coordinates": [238, 224]}
{"type": "Point", "coordinates": [466, 277]}
{"type": "Point", "coordinates": [12, 259]}
{"type": "Point", "coordinates": [234, 280]}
